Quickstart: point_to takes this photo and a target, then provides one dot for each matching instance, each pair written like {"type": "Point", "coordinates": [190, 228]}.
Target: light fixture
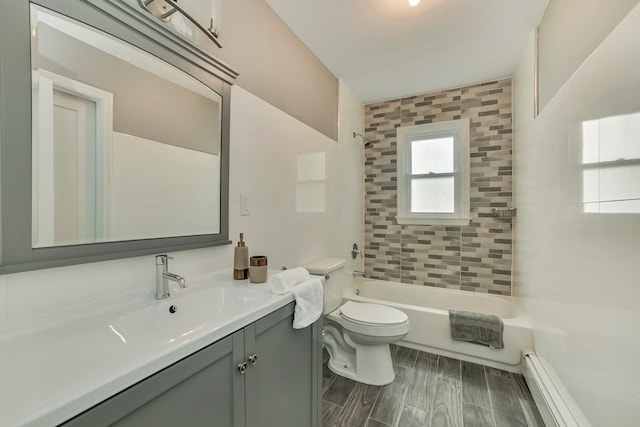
{"type": "Point", "coordinates": [163, 9]}
{"type": "Point", "coordinates": [414, 2]}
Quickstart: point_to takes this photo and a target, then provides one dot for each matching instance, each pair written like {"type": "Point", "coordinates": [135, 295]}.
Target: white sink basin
{"type": "Point", "coordinates": [185, 315]}
{"type": "Point", "coordinates": [65, 363]}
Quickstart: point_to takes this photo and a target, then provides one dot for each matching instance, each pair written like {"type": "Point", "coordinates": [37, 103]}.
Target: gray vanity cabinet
{"type": "Point", "coordinates": [282, 388]}
{"type": "Point", "coordinates": [278, 387]}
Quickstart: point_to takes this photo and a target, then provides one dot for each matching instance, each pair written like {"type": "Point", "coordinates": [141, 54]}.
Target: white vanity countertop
{"type": "Point", "coordinates": [57, 366]}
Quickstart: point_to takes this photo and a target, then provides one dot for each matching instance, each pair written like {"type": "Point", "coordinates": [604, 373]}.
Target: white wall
{"type": "Point", "coordinates": [265, 147]}
{"type": "Point", "coordinates": [169, 170]}
{"type": "Point", "coordinates": [266, 167]}
{"type": "Point", "coordinates": [350, 170]}
{"type": "Point", "coordinates": [576, 274]}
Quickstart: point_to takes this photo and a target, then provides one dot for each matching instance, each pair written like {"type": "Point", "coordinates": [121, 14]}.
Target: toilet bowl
{"type": "Point", "coordinates": [357, 335]}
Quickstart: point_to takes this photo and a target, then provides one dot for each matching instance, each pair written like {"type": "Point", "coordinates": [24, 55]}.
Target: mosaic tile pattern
{"type": "Point", "coordinates": [475, 257]}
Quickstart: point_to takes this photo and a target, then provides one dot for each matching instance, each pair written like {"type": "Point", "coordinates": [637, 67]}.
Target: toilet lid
{"type": "Point", "coordinates": [372, 314]}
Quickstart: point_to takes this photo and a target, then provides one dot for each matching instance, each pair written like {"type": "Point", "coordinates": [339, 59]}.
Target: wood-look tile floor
{"type": "Point", "coordinates": [430, 390]}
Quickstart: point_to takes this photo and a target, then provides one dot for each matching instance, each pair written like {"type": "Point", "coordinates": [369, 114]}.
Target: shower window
{"type": "Point", "coordinates": [433, 173]}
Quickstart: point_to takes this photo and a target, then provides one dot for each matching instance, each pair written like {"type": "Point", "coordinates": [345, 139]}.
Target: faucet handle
{"type": "Point", "coordinates": [355, 251]}
{"type": "Point", "coordinates": [163, 259]}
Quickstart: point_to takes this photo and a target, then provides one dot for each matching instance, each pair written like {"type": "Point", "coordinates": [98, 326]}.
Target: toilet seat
{"type": "Point", "coordinates": [369, 314]}
{"type": "Point", "coordinates": [374, 327]}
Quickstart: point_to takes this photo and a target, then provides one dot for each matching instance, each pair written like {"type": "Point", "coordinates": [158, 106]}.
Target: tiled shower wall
{"type": "Point", "coordinates": [475, 257]}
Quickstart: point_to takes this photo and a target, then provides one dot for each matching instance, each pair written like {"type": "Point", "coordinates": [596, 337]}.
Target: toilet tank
{"type": "Point", "coordinates": [332, 269]}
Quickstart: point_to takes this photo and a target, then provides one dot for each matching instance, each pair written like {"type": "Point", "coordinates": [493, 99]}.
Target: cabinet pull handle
{"type": "Point", "coordinates": [253, 359]}
{"type": "Point", "coordinates": [242, 367]}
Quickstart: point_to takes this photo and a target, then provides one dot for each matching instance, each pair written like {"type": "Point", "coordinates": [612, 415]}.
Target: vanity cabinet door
{"type": "Point", "coordinates": [282, 387]}
{"type": "Point", "coordinates": [205, 389]}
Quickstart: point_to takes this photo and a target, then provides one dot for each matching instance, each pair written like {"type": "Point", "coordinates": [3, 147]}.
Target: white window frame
{"type": "Point", "coordinates": [459, 130]}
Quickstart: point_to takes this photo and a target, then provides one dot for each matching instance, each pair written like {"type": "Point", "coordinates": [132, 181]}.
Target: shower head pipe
{"type": "Point", "coordinates": [367, 142]}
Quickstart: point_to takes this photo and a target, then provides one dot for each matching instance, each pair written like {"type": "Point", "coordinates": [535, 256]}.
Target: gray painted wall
{"type": "Point", "coordinates": [276, 66]}
{"type": "Point", "coordinates": [570, 30]}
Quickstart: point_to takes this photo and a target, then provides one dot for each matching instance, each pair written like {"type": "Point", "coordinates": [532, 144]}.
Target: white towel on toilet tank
{"type": "Point", "coordinates": [309, 299]}
{"type": "Point", "coordinates": [282, 283]}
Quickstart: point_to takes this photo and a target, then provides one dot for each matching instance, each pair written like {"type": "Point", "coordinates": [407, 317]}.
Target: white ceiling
{"type": "Point", "coordinates": [384, 49]}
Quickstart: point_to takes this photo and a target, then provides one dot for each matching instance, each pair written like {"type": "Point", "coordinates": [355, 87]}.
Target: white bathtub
{"type": "Point", "coordinates": [427, 308]}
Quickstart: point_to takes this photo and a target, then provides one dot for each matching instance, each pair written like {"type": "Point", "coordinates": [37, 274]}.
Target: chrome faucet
{"type": "Point", "coordinates": [163, 276]}
{"type": "Point", "coordinates": [359, 273]}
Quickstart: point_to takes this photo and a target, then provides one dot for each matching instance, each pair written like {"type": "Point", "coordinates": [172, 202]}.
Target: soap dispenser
{"type": "Point", "coordinates": [241, 260]}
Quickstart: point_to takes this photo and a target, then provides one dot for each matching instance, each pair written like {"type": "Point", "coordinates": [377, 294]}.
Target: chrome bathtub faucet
{"type": "Point", "coordinates": [163, 276]}
{"type": "Point", "coordinates": [359, 273]}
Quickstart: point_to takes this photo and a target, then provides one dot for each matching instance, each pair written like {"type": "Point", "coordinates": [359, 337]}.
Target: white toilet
{"type": "Point", "coordinates": [357, 335]}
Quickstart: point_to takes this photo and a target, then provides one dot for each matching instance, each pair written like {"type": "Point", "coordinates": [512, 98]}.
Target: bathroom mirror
{"type": "Point", "coordinates": [114, 136]}
{"type": "Point", "coordinates": [120, 140]}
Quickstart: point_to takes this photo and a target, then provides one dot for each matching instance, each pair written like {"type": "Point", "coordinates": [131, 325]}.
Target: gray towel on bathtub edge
{"type": "Point", "coordinates": [476, 328]}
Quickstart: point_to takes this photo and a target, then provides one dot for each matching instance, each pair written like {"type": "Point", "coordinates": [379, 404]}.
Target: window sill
{"type": "Point", "coordinates": [418, 220]}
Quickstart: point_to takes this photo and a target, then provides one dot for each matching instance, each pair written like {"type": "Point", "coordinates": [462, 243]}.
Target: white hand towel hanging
{"type": "Point", "coordinates": [309, 299]}
{"type": "Point", "coordinates": [282, 283]}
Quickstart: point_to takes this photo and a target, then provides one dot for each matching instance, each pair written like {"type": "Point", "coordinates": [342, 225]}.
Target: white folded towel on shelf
{"type": "Point", "coordinates": [282, 283]}
{"type": "Point", "coordinates": [309, 299]}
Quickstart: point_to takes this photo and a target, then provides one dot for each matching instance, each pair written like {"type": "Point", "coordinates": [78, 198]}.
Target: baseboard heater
{"type": "Point", "coordinates": [556, 406]}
